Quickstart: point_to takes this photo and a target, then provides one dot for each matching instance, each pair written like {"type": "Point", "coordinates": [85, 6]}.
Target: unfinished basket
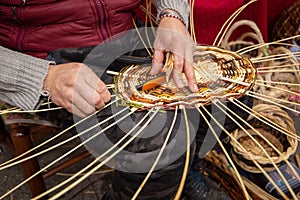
{"type": "Point", "coordinates": [220, 74]}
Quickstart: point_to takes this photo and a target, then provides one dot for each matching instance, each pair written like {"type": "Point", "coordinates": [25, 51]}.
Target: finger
{"type": "Point", "coordinates": [177, 71]}
{"type": "Point", "coordinates": [101, 99]}
{"type": "Point", "coordinates": [95, 97]}
{"type": "Point", "coordinates": [92, 79]}
{"type": "Point", "coordinates": [95, 88]}
{"type": "Point", "coordinates": [82, 106]}
{"type": "Point", "coordinates": [102, 92]}
{"type": "Point", "coordinates": [105, 96]}
{"type": "Point", "coordinates": [101, 88]}
{"type": "Point", "coordinates": [189, 70]}
{"type": "Point", "coordinates": [157, 61]}
{"type": "Point", "coordinates": [86, 91]}
{"type": "Point", "coordinates": [99, 102]}
{"type": "Point", "coordinates": [77, 112]}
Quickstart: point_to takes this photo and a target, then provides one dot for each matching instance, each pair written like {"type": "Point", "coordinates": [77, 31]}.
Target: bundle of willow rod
{"type": "Point", "coordinates": [220, 74]}
{"type": "Point", "coordinates": [278, 145]}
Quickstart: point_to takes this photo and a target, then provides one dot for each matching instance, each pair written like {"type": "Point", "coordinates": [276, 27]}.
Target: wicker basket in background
{"type": "Point", "coordinates": [288, 24]}
{"type": "Point", "coordinates": [285, 144]}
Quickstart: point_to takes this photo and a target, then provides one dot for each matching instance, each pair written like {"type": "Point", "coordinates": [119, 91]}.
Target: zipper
{"type": "Point", "coordinates": [102, 18]}
{"type": "Point", "coordinates": [22, 28]}
{"type": "Point", "coordinates": [15, 15]}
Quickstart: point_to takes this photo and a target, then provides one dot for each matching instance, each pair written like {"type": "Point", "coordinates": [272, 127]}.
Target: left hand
{"type": "Point", "coordinates": [77, 88]}
{"type": "Point", "coordinates": [172, 36]}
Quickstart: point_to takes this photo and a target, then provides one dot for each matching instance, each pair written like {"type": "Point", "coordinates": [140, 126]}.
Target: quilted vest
{"type": "Point", "coordinates": [36, 27]}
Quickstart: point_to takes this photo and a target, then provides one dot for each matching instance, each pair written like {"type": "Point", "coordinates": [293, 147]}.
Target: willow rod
{"type": "Point", "coordinates": [263, 150]}
{"type": "Point", "coordinates": [158, 157]}
{"type": "Point", "coordinates": [224, 150]}
{"type": "Point", "coordinates": [53, 138]}
{"type": "Point", "coordinates": [104, 161]}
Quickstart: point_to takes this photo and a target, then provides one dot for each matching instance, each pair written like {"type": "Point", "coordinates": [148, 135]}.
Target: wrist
{"type": "Point", "coordinates": [46, 91]}
{"type": "Point", "coordinates": [170, 13]}
{"type": "Point", "coordinates": [181, 6]}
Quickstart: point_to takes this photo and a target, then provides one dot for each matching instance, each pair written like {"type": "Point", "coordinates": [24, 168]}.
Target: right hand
{"type": "Point", "coordinates": [172, 36]}
{"type": "Point", "coordinates": [77, 88]}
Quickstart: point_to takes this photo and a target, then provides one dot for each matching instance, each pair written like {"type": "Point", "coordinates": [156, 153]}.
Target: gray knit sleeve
{"type": "Point", "coordinates": [21, 78]}
{"type": "Point", "coordinates": [181, 6]}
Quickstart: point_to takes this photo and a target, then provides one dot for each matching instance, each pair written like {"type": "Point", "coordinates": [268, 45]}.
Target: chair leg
{"type": "Point", "coordinates": [21, 139]}
{"type": "Point", "coordinates": [66, 164]}
{"type": "Point", "coordinates": [4, 135]}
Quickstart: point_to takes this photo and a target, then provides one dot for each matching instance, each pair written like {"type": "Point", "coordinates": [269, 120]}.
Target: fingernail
{"type": "Point", "coordinates": [151, 72]}
{"type": "Point", "coordinates": [195, 87]}
{"type": "Point", "coordinates": [180, 83]}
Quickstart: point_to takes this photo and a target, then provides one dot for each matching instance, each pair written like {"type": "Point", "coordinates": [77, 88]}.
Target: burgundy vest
{"type": "Point", "coordinates": [36, 27]}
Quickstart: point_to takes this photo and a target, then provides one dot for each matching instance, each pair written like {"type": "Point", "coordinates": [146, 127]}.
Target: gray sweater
{"type": "Point", "coordinates": [22, 76]}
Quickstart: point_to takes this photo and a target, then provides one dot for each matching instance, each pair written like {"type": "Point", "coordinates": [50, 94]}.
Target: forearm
{"type": "Point", "coordinates": [21, 78]}
{"type": "Point", "coordinates": [181, 6]}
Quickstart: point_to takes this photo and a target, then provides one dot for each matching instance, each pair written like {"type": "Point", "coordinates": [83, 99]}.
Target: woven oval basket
{"type": "Point", "coordinates": [266, 136]}
{"type": "Point", "coordinates": [220, 74]}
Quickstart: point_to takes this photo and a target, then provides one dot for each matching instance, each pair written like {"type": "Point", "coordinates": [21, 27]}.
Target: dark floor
{"type": "Point", "coordinates": [90, 189]}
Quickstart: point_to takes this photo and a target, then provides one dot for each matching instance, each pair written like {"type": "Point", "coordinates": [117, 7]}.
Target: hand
{"type": "Point", "coordinates": [172, 36]}
{"type": "Point", "coordinates": [77, 88]}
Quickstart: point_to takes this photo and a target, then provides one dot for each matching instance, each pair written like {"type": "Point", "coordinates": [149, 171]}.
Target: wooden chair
{"type": "Point", "coordinates": [20, 138]}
